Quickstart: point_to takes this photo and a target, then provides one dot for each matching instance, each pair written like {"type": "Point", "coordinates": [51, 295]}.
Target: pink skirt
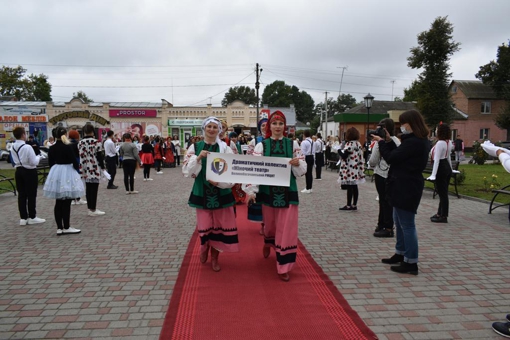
{"type": "Point", "coordinates": [217, 228]}
{"type": "Point", "coordinates": [281, 233]}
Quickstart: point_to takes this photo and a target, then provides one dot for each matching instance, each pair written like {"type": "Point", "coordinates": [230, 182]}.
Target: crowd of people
{"type": "Point", "coordinates": [395, 158]}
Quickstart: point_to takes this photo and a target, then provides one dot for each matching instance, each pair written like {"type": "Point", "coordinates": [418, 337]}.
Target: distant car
{"type": "Point", "coordinates": [4, 155]}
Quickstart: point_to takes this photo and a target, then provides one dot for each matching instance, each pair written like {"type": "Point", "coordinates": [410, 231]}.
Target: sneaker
{"type": "Point", "coordinates": [345, 208]}
{"type": "Point", "coordinates": [128, 192]}
{"type": "Point", "coordinates": [145, 179]}
{"type": "Point", "coordinates": [160, 172]}
{"type": "Point", "coordinates": [305, 191]}
{"type": "Point", "coordinates": [396, 258]}
{"type": "Point", "coordinates": [59, 232]}
{"type": "Point", "coordinates": [23, 222]}
{"type": "Point", "coordinates": [377, 198]}
{"type": "Point", "coordinates": [36, 220]}
{"type": "Point", "coordinates": [82, 201]}
{"type": "Point", "coordinates": [71, 230]}
{"type": "Point", "coordinates": [405, 268]}
{"type": "Point", "coordinates": [134, 192]}
{"type": "Point", "coordinates": [112, 187]}
{"type": "Point", "coordinates": [73, 202]}
{"type": "Point", "coordinates": [502, 328]}
{"type": "Point", "coordinates": [353, 208]}
{"type": "Point", "coordinates": [97, 212]}
{"type": "Point", "coordinates": [149, 179]}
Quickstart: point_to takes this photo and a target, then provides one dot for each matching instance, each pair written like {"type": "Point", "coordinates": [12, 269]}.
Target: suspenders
{"type": "Point", "coordinates": [17, 153]}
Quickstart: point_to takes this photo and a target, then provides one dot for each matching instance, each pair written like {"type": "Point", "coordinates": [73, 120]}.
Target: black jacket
{"type": "Point", "coordinates": [404, 185]}
{"type": "Point", "coordinates": [60, 153]}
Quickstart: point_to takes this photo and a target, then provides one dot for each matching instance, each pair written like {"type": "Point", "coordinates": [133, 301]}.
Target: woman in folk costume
{"type": "Point", "coordinates": [159, 153]}
{"type": "Point", "coordinates": [279, 204]}
{"type": "Point", "coordinates": [224, 132]}
{"type": "Point", "coordinates": [255, 208]}
{"type": "Point", "coordinates": [63, 182]}
{"type": "Point", "coordinates": [214, 202]}
{"type": "Point", "coordinates": [237, 191]}
{"type": "Point", "coordinates": [169, 153]}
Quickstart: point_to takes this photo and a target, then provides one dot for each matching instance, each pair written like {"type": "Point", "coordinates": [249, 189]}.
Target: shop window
{"type": "Point", "coordinates": [484, 134]}
{"type": "Point", "coordinates": [486, 107]}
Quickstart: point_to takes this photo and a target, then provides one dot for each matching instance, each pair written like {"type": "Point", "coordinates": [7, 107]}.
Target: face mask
{"type": "Point", "coordinates": [404, 131]}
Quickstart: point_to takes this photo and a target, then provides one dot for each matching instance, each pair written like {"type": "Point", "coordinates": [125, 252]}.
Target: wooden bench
{"type": "Point", "coordinates": [453, 180]}
{"type": "Point", "coordinates": [502, 191]}
{"type": "Point", "coordinates": [11, 182]}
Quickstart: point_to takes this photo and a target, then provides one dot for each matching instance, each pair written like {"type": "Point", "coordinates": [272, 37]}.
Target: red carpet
{"type": "Point", "coordinates": [247, 300]}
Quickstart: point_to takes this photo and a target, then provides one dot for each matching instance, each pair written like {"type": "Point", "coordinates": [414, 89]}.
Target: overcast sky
{"type": "Point", "coordinates": [191, 52]}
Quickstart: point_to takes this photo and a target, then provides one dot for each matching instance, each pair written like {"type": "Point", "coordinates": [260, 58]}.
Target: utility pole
{"type": "Point", "coordinates": [342, 79]}
{"type": "Point", "coordinates": [340, 90]}
{"type": "Point", "coordinates": [326, 114]}
{"type": "Point", "coordinates": [257, 86]}
{"type": "Point", "coordinates": [392, 84]}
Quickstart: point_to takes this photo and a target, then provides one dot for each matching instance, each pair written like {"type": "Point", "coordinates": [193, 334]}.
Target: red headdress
{"type": "Point", "coordinates": [277, 115]}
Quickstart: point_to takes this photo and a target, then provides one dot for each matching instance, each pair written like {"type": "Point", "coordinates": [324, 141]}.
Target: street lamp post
{"type": "Point", "coordinates": [368, 104]}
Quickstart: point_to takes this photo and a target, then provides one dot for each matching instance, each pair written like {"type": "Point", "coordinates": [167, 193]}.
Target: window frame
{"type": "Point", "coordinates": [483, 107]}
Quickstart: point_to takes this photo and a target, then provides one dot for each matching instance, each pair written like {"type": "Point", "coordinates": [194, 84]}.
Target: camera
{"type": "Point", "coordinates": [378, 132]}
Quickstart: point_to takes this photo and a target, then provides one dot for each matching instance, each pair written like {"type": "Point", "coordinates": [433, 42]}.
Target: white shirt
{"type": "Point", "coordinates": [318, 146]}
{"type": "Point", "coordinates": [504, 158]}
{"type": "Point", "coordinates": [441, 150]}
{"type": "Point", "coordinates": [306, 147]}
{"type": "Point", "coordinates": [109, 148]}
{"type": "Point", "coordinates": [177, 145]}
{"type": "Point", "coordinates": [27, 158]}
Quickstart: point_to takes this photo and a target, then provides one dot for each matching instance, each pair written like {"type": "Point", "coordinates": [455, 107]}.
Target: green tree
{"type": "Point", "coordinates": [244, 93]}
{"type": "Point", "coordinates": [14, 82]}
{"type": "Point", "coordinates": [398, 99]}
{"type": "Point", "coordinates": [497, 75]}
{"type": "Point", "coordinates": [434, 50]}
{"type": "Point", "coordinates": [411, 93]}
{"type": "Point", "coordinates": [83, 96]}
{"type": "Point", "coordinates": [345, 102]}
{"type": "Point", "coordinates": [279, 94]}
{"type": "Point", "coordinates": [40, 88]}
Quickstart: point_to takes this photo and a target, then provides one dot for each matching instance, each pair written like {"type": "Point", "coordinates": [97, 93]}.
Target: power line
{"type": "Point", "coordinates": [125, 66]}
{"type": "Point", "coordinates": [140, 87]}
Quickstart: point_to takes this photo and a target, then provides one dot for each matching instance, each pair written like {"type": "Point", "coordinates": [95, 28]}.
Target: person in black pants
{"type": "Point", "coordinates": [112, 159]}
{"type": "Point", "coordinates": [129, 153]}
{"type": "Point", "coordinates": [385, 220]}
{"type": "Point", "coordinates": [25, 161]}
{"type": "Point", "coordinates": [442, 171]}
{"type": "Point", "coordinates": [63, 182]}
{"type": "Point", "coordinates": [319, 156]}
{"type": "Point", "coordinates": [307, 151]}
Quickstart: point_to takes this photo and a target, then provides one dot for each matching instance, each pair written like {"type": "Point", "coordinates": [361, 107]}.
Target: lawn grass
{"type": "Point", "coordinates": [474, 185]}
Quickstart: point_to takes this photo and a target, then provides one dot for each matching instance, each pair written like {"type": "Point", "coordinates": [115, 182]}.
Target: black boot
{"type": "Point", "coordinates": [406, 268]}
{"type": "Point", "coordinates": [394, 259]}
{"type": "Point", "coordinates": [384, 233]}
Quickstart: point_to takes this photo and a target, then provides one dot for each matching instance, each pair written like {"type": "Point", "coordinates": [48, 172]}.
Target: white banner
{"type": "Point", "coordinates": [232, 168]}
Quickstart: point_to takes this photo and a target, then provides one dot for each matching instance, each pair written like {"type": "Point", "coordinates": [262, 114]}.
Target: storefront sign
{"type": "Point", "coordinates": [79, 114]}
{"type": "Point", "coordinates": [232, 168]}
{"type": "Point", "coordinates": [23, 118]}
{"type": "Point", "coordinates": [133, 113]}
{"type": "Point", "coordinates": [188, 122]}
{"type": "Point", "coordinates": [11, 126]}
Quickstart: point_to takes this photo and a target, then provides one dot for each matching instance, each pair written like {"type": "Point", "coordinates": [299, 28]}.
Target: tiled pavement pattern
{"type": "Point", "coordinates": [115, 279]}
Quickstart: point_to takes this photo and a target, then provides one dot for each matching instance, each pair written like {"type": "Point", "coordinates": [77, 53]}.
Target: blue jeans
{"type": "Point", "coordinates": [407, 237]}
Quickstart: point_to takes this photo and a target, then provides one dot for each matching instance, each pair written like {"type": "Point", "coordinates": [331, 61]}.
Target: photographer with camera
{"type": "Point", "coordinates": [385, 220]}
{"type": "Point", "coordinates": [404, 186]}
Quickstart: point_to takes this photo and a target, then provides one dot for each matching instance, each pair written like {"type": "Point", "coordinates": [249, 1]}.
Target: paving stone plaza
{"type": "Point", "coordinates": [115, 279]}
